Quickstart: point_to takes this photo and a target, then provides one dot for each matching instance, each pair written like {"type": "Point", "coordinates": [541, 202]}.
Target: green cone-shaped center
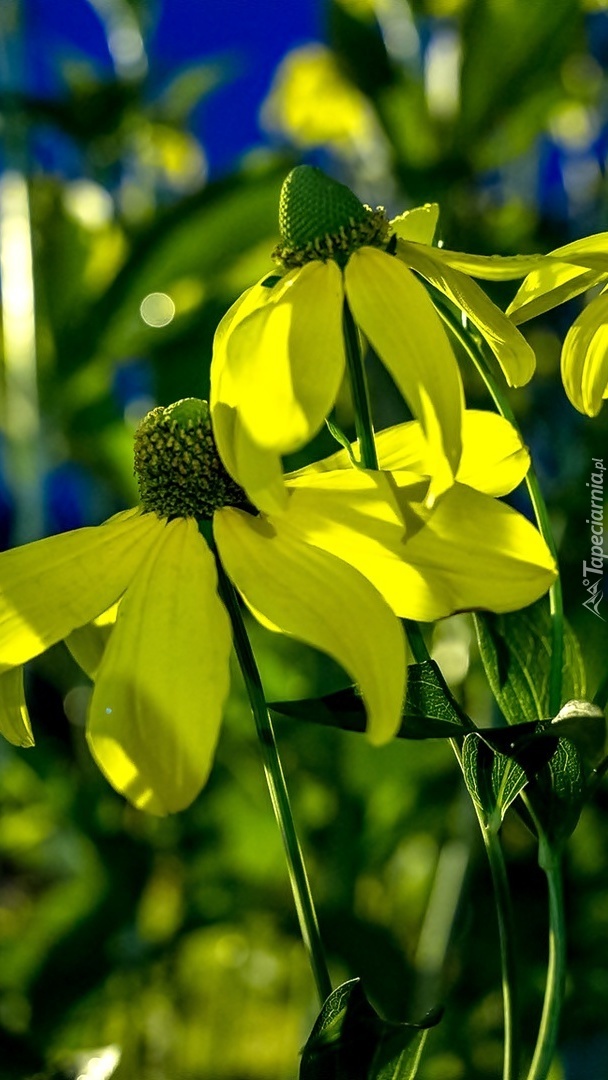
{"type": "Point", "coordinates": [178, 468]}
{"type": "Point", "coordinates": [320, 218]}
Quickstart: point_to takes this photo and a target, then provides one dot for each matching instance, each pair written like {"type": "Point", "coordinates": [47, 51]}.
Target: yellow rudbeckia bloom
{"type": "Point", "coordinates": [279, 353]}
{"type": "Point", "coordinates": [161, 681]}
{"type": "Point", "coordinates": [567, 272]}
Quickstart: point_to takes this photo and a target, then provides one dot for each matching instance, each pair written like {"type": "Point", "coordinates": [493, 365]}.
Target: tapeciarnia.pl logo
{"type": "Point", "coordinates": [593, 571]}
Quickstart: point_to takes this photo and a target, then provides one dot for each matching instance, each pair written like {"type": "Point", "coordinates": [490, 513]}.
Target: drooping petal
{"type": "Point", "coordinates": [159, 695]}
{"type": "Point", "coordinates": [50, 587]}
{"type": "Point", "coordinates": [257, 469]}
{"type": "Point", "coordinates": [510, 348]}
{"type": "Point", "coordinates": [469, 551]}
{"type": "Point", "coordinates": [418, 224]}
{"type": "Point", "coordinates": [396, 315]}
{"type": "Point", "coordinates": [87, 644]}
{"type": "Point", "coordinates": [494, 459]}
{"type": "Point", "coordinates": [585, 357]}
{"type": "Point", "coordinates": [322, 601]}
{"type": "Point", "coordinates": [490, 267]}
{"type": "Point", "coordinates": [14, 718]}
{"type": "Point", "coordinates": [285, 360]}
{"type": "Point", "coordinates": [569, 271]}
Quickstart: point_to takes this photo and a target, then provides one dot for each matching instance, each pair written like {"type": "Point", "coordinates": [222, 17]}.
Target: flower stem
{"type": "Point", "coordinates": [474, 351]}
{"type": "Point", "coordinates": [359, 390]}
{"type": "Point", "coordinates": [307, 917]}
{"type": "Point", "coordinates": [549, 860]}
{"type": "Point", "coordinates": [369, 460]}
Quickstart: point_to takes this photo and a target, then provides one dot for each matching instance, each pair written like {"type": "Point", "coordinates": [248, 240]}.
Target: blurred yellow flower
{"type": "Point", "coordinates": [161, 681]}
{"type": "Point", "coordinates": [313, 103]}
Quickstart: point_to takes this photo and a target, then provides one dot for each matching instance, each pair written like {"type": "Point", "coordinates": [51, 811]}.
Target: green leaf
{"type": "Point", "coordinates": [341, 438]}
{"type": "Point", "coordinates": [516, 654]}
{"type": "Point", "coordinates": [559, 791]}
{"type": "Point", "coordinates": [494, 780]}
{"type": "Point", "coordinates": [428, 713]}
{"type": "Point", "coordinates": [398, 1055]}
{"type": "Point", "coordinates": [349, 1041]}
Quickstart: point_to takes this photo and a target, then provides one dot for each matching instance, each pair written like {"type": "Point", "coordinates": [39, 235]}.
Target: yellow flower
{"type": "Point", "coordinates": [279, 353]}
{"type": "Point", "coordinates": [469, 551]}
{"type": "Point", "coordinates": [567, 272]}
{"type": "Point", "coordinates": [161, 681]}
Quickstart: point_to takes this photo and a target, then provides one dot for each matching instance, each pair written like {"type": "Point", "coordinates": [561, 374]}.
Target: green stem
{"type": "Point", "coordinates": [546, 1043]}
{"type": "Point", "coordinates": [369, 460]}
{"type": "Point", "coordinates": [360, 393]}
{"type": "Point", "coordinates": [277, 787]}
{"type": "Point", "coordinates": [539, 506]}
{"type": "Point", "coordinates": [506, 932]}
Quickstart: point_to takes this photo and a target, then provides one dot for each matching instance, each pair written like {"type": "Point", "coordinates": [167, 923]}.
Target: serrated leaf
{"type": "Point", "coordinates": [427, 713]}
{"type": "Point", "coordinates": [349, 1041]}
{"type": "Point", "coordinates": [516, 654]}
{"type": "Point", "coordinates": [494, 780]}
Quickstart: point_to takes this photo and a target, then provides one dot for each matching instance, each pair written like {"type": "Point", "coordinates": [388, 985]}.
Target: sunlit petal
{"type": "Point", "coordinates": [494, 459]}
{"type": "Point", "coordinates": [286, 359]}
{"type": "Point", "coordinates": [14, 719]}
{"type": "Point", "coordinates": [396, 315]}
{"type": "Point", "coordinates": [256, 469]}
{"type": "Point", "coordinates": [50, 587]}
{"type": "Point", "coordinates": [585, 263]}
{"type": "Point", "coordinates": [585, 357]}
{"type": "Point", "coordinates": [323, 602]}
{"type": "Point", "coordinates": [418, 224]}
{"type": "Point", "coordinates": [490, 267]}
{"type": "Point", "coordinates": [474, 553]}
{"type": "Point", "coordinates": [157, 704]}
{"type": "Point", "coordinates": [511, 349]}
{"type": "Point", "coordinates": [87, 644]}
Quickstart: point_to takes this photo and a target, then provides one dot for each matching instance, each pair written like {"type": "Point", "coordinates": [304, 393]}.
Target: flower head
{"type": "Point", "coordinates": [279, 355]}
{"type": "Point", "coordinates": [160, 662]}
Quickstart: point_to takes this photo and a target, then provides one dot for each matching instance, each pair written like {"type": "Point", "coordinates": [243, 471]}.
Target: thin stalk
{"type": "Point", "coordinates": [539, 506]}
{"type": "Point", "coordinates": [358, 386]}
{"type": "Point", "coordinates": [305, 908]}
{"type": "Point", "coordinates": [506, 933]}
{"type": "Point", "coordinates": [369, 460]}
{"type": "Point", "coordinates": [546, 1042]}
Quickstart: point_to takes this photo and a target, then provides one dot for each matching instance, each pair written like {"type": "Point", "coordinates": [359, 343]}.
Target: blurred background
{"type": "Point", "coordinates": [142, 148]}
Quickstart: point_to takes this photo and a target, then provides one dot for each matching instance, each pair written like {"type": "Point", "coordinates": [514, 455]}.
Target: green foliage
{"type": "Point", "coordinates": [349, 1041]}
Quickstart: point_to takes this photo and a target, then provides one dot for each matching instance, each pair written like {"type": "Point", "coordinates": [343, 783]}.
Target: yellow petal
{"type": "Point", "coordinates": [469, 551]}
{"type": "Point", "coordinates": [285, 360]}
{"type": "Point", "coordinates": [418, 224]}
{"type": "Point", "coordinates": [50, 587]}
{"type": "Point", "coordinates": [512, 351]}
{"type": "Point", "coordinates": [567, 272]}
{"type": "Point", "coordinates": [396, 315]}
{"type": "Point", "coordinates": [14, 719]}
{"type": "Point", "coordinates": [585, 357]}
{"type": "Point", "coordinates": [494, 459]}
{"type": "Point", "coordinates": [256, 469]}
{"type": "Point", "coordinates": [474, 553]}
{"type": "Point", "coordinates": [158, 700]}
{"type": "Point", "coordinates": [87, 644]}
{"type": "Point", "coordinates": [323, 602]}
{"type": "Point", "coordinates": [490, 267]}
